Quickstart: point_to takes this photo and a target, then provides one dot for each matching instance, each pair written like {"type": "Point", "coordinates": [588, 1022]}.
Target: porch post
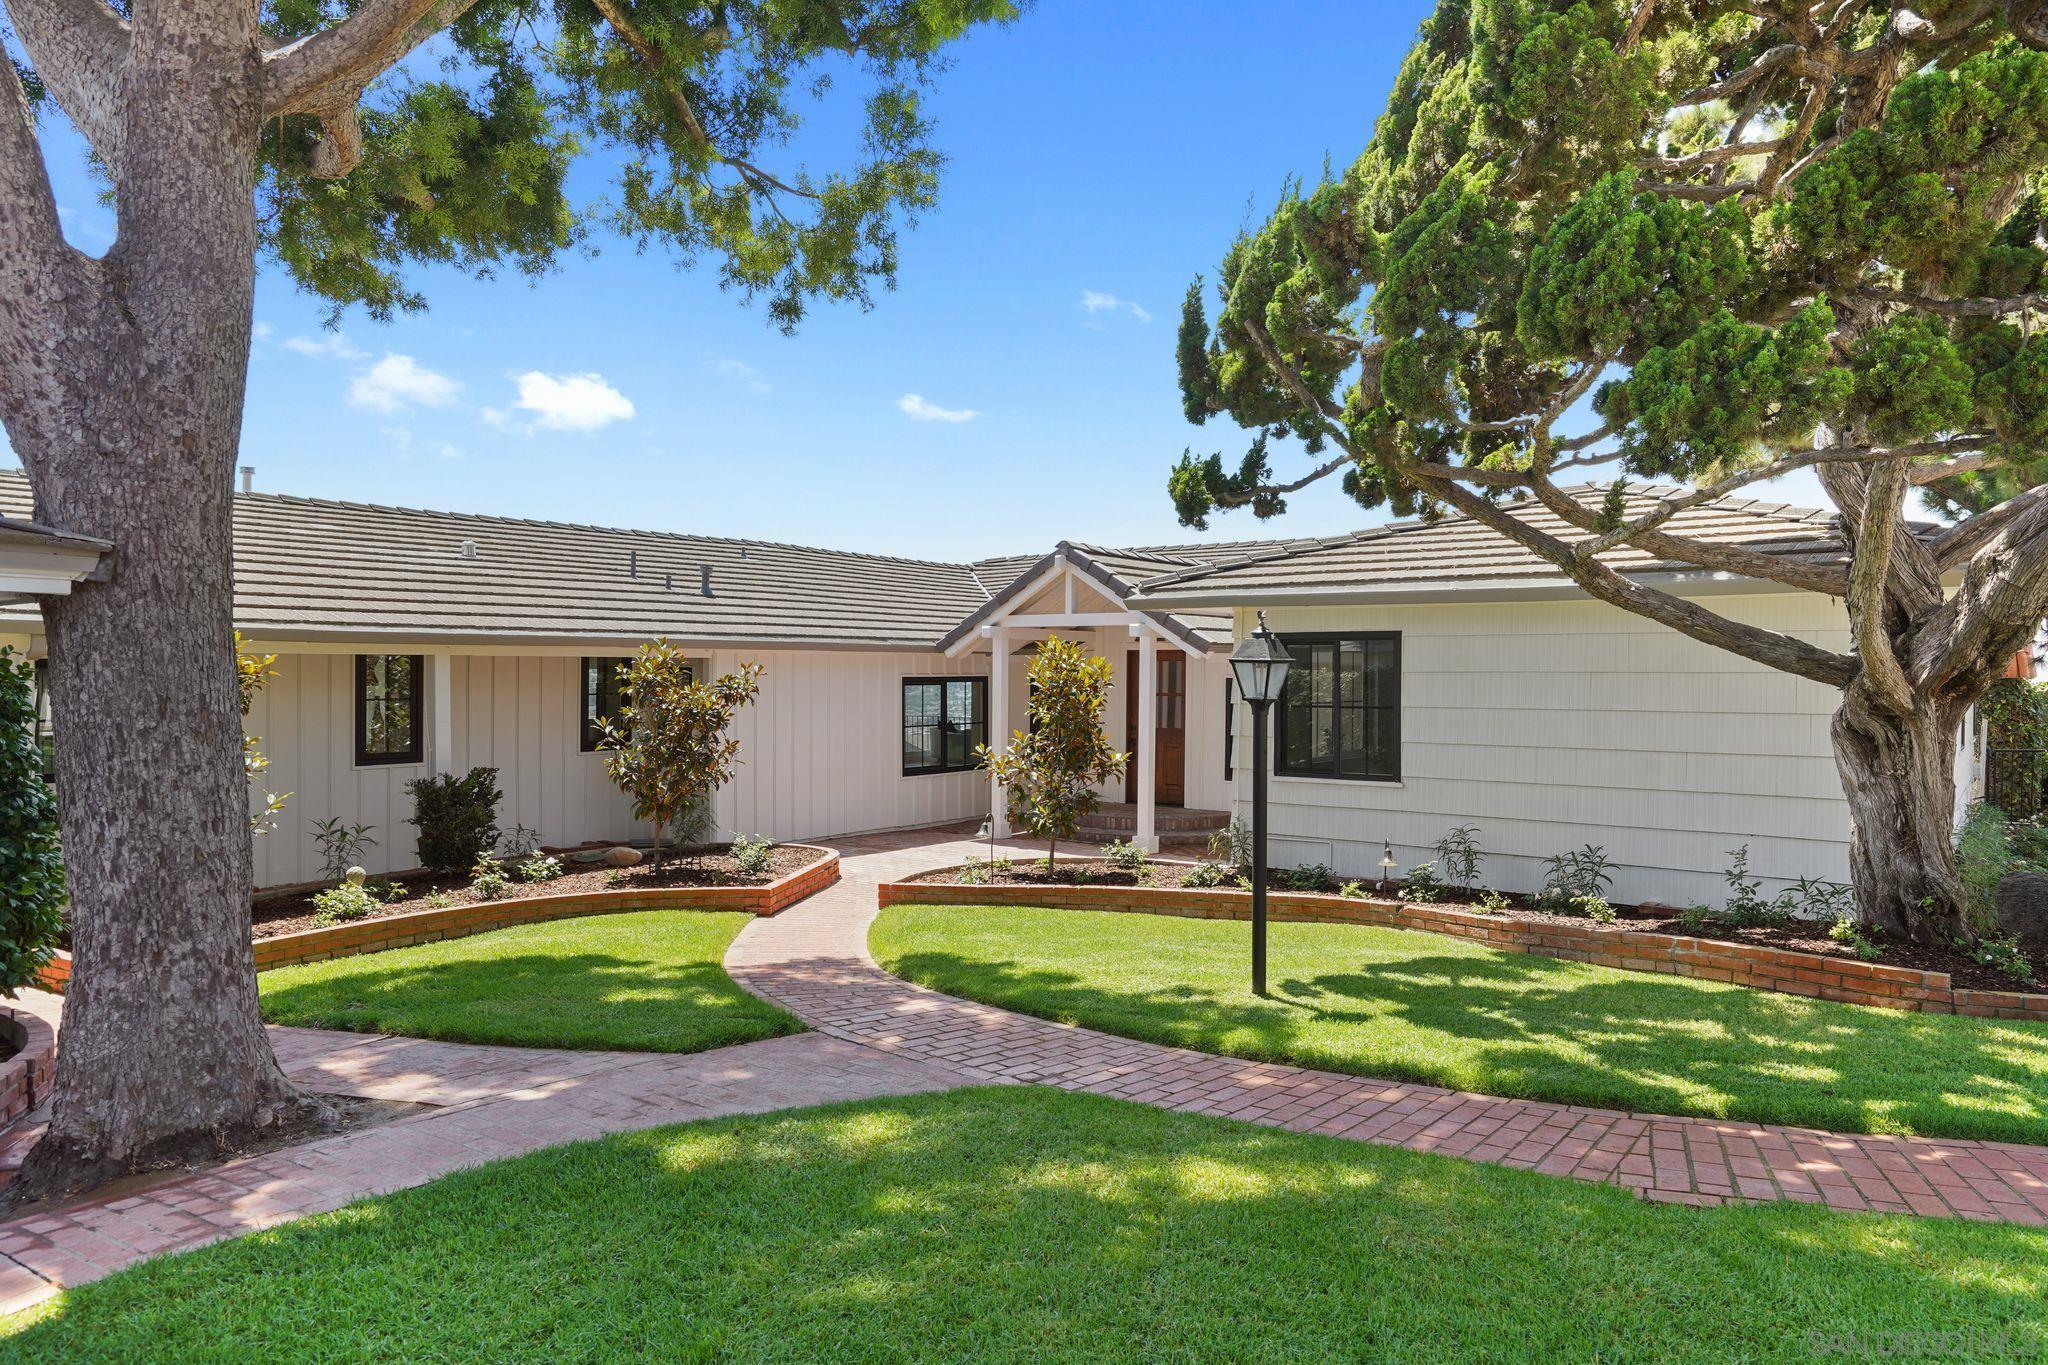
{"type": "Point", "coordinates": [440, 713]}
{"type": "Point", "coordinates": [998, 724]}
{"type": "Point", "coordinates": [1148, 741]}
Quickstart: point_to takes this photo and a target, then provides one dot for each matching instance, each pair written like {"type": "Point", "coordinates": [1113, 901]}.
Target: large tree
{"type": "Point", "coordinates": [1715, 241]}
{"type": "Point", "coordinates": [226, 129]}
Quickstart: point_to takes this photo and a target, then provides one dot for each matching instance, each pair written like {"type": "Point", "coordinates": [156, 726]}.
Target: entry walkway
{"type": "Point", "coordinates": [877, 1035]}
{"type": "Point", "coordinates": [813, 961]}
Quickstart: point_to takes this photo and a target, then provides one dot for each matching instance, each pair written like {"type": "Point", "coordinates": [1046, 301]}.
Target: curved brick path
{"type": "Point", "coordinates": [813, 960]}
{"type": "Point", "coordinates": [878, 1035]}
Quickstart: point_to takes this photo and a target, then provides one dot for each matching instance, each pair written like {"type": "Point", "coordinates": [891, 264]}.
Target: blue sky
{"type": "Point", "coordinates": [1017, 388]}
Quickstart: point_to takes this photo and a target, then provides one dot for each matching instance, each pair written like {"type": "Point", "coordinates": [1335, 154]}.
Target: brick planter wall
{"type": "Point", "coordinates": [1770, 969]}
{"type": "Point", "coordinates": [460, 921]}
{"type": "Point", "coordinates": [25, 1077]}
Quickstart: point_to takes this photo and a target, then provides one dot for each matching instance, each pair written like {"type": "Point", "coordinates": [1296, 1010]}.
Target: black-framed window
{"type": "Point", "coordinates": [390, 695]}
{"type": "Point", "coordinates": [604, 692]}
{"type": "Point", "coordinates": [1341, 713]}
{"type": "Point", "coordinates": [944, 721]}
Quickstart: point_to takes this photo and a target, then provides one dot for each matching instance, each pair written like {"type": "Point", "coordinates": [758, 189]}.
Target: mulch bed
{"type": "Point", "coordinates": [291, 914]}
{"type": "Point", "coordinates": [1804, 936]}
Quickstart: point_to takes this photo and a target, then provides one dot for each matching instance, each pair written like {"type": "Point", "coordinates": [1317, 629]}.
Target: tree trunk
{"type": "Point", "coordinates": [1899, 776]}
{"type": "Point", "coordinates": [163, 1051]}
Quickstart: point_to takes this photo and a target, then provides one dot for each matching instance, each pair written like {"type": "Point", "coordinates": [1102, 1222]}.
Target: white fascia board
{"type": "Point", "coordinates": [1192, 596]}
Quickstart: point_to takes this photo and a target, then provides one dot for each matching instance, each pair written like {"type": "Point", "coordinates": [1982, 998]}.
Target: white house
{"type": "Point", "coordinates": [1447, 678]}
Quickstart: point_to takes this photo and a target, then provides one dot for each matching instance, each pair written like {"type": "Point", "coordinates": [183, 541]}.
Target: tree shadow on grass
{"type": "Point", "coordinates": [566, 1000]}
{"type": "Point", "coordinates": [1027, 1224]}
{"type": "Point", "coordinates": [1531, 1027]}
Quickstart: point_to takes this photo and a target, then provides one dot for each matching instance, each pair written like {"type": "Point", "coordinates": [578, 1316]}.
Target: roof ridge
{"type": "Point", "coordinates": [300, 499]}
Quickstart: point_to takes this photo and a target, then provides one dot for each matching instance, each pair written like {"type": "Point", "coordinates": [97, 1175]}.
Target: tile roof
{"type": "Point", "coordinates": [1456, 550]}
{"type": "Point", "coordinates": [310, 565]}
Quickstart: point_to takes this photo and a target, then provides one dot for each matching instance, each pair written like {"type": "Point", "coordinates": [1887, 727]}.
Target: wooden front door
{"type": "Point", "coordinates": [1170, 738]}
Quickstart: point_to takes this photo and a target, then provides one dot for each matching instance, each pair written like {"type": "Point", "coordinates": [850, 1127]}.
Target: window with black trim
{"type": "Point", "coordinates": [604, 692]}
{"type": "Point", "coordinates": [944, 721]}
{"type": "Point", "coordinates": [1340, 715]}
{"type": "Point", "coordinates": [390, 695]}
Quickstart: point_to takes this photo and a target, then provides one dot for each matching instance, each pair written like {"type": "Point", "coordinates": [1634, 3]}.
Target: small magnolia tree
{"type": "Point", "coordinates": [1050, 775]}
{"type": "Point", "coordinates": [670, 746]}
{"type": "Point", "coordinates": [31, 877]}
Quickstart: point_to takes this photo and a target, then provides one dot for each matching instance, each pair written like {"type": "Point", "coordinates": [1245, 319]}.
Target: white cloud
{"type": "Point", "coordinates": [398, 382]}
{"type": "Point", "coordinates": [263, 331]}
{"type": "Point", "coordinates": [569, 402]}
{"type": "Point", "coordinates": [447, 451]}
{"type": "Point", "coordinates": [741, 370]}
{"type": "Point", "coordinates": [330, 345]}
{"type": "Point", "coordinates": [1094, 301]}
{"type": "Point", "coordinates": [400, 438]}
{"type": "Point", "coordinates": [917, 409]}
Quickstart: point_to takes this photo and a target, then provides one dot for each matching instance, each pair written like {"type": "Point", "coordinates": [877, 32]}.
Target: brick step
{"type": "Point", "coordinates": [1121, 821]}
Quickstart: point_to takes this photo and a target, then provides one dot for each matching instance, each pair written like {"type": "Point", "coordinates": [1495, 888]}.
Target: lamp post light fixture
{"type": "Point", "coordinates": [1260, 663]}
{"type": "Point", "coordinates": [1387, 866]}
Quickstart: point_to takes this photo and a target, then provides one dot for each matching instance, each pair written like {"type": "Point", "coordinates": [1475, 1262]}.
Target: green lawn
{"type": "Point", "coordinates": [646, 982]}
{"type": "Point", "coordinates": [1415, 1006]}
{"type": "Point", "coordinates": [1033, 1225]}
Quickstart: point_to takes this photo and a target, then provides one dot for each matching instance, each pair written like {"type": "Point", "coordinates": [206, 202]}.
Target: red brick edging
{"type": "Point", "coordinates": [25, 1077]}
{"type": "Point", "coordinates": [1770, 969]}
{"type": "Point", "coordinates": [460, 921]}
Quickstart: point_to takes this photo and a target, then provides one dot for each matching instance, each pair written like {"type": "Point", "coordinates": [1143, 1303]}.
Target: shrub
{"type": "Point", "coordinates": [341, 846]}
{"type": "Point", "coordinates": [1127, 855]}
{"type": "Point", "coordinates": [750, 856]}
{"type": "Point", "coordinates": [487, 877]}
{"type": "Point", "coordinates": [1492, 903]}
{"type": "Point", "coordinates": [615, 876]}
{"type": "Point", "coordinates": [973, 872]}
{"type": "Point", "coordinates": [1232, 845]}
{"type": "Point", "coordinates": [1984, 855]}
{"type": "Point", "coordinates": [343, 904]}
{"type": "Point", "coordinates": [1205, 875]}
{"type": "Point", "coordinates": [1822, 900]}
{"type": "Point", "coordinates": [540, 867]}
{"type": "Point", "coordinates": [1746, 908]}
{"type": "Point", "coordinates": [522, 843]}
{"type": "Point", "coordinates": [1458, 855]}
{"type": "Point", "coordinates": [457, 818]}
{"type": "Point", "coordinates": [1697, 918]}
{"type": "Point", "coordinates": [437, 900]}
{"type": "Point", "coordinates": [1422, 884]}
{"type": "Point", "coordinates": [1309, 877]}
{"type": "Point", "coordinates": [1575, 876]}
{"type": "Point", "coordinates": [31, 874]}
{"type": "Point", "coordinates": [1352, 891]}
{"type": "Point", "coordinates": [2004, 955]}
{"type": "Point", "coordinates": [388, 891]}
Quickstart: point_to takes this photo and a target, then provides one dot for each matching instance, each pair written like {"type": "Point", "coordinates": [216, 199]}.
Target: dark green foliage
{"type": "Point", "coordinates": [31, 874]}
{"type": "Point", "coordinates": [457, 818]}
{"type": "Point", "coordinates": [1544, 196]}
{"type": "Point", "coordinates": [468, 165]}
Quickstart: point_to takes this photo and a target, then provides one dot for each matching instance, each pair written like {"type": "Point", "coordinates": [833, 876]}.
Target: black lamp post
{"type": "Point", "coordinates": [1260, 663]}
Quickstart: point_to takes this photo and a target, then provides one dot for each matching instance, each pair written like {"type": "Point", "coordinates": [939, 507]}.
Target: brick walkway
{"type": "Point", "coordinates": [494, 1102]}
{"type": "Point", "coordinates": [813, 960]}
{"type": "Point", "coordinates": [878, 1035]}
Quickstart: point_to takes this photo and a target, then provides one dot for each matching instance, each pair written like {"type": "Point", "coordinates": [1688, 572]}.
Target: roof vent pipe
{"type": "Point", "coordinates": [248, 478]}
{"type": "Point", "coordinates": [469, 549]}
{"type": "Point", "coordinates": [632, 563]}
{"type": "Point", "coordinates": [705, 585]}
{"type": "Point", "coordinates": [668, 582]}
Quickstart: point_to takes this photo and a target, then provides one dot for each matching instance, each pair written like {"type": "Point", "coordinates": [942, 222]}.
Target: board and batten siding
{"type": "Point", "coordinates": [821, 753]}
{"type": "Point", "coordinates": [1554, 724]}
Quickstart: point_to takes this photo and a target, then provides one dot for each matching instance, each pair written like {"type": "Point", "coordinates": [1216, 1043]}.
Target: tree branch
{"type": "Point", "coordinates": [1766, 647]}
{"type": "Point", "coordinates": [307, 76]}
{"type": "Point", "coordinates": [1869, 582]}
{"type": "Point", "coordinates": [1955, 308]}
{"type": "Point", "coordinates": [42, 277]}
{"type": "Point", "coordinates": [1972, 535]}
{"type": "Point", "coordinates": [1998, 608]}
{"type": "Point", "coordinates": [77, 48]}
